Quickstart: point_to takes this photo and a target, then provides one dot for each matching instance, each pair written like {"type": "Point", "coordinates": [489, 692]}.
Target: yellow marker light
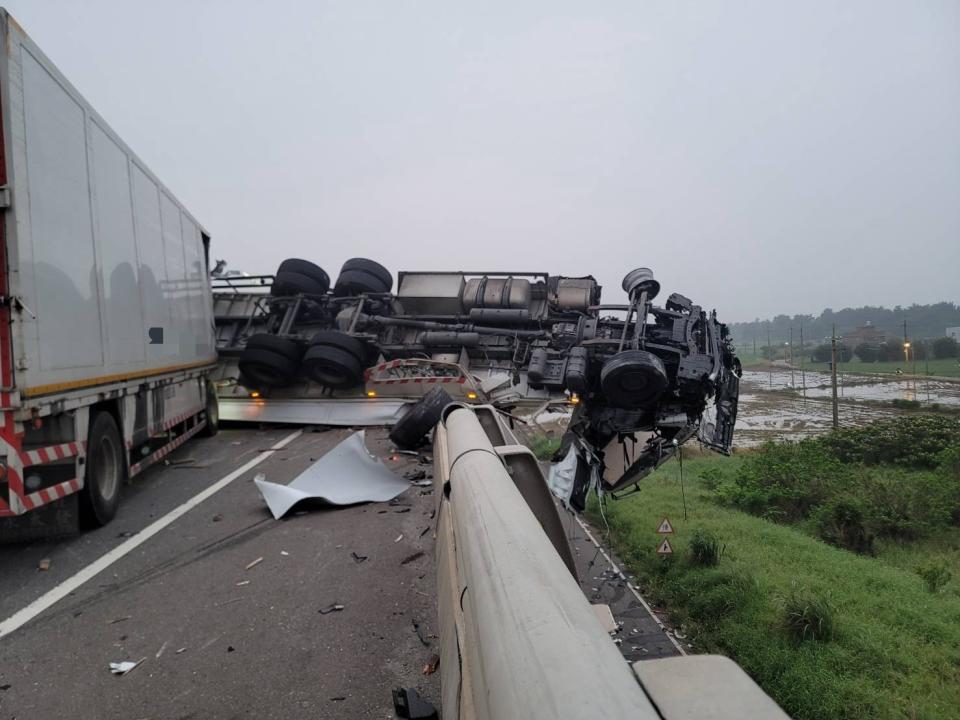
{"type": "Point", "coordinates": [471, 396]}
{"type": "Point", "coordinates": [254, 393]}
{"type": "Point", "coordinates": [371, 393]}
{"type": "Point", "coordinates": [574, 399]}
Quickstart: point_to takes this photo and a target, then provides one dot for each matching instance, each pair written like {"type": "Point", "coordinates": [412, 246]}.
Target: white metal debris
{"type": "Point", "coordinates": [346, 475]}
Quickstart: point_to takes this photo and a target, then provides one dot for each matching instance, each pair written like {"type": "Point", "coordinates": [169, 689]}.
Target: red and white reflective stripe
{"type": "Point", "coordinates": [48, 495]}
{"type": "Point", "coordinates": [421, 380]}
{"type": "Point", "coordinates": [51, 453]}
{"type": "Point", "coordinates": [176, 420]}
{"type": "Point", "coordinates": [166, 449]}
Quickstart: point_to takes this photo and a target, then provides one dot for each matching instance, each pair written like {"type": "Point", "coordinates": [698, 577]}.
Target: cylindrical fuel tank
{"type": "Point", "coordinates": [575, 378]}
{"type": "Point", "coordinates": [486, 292]}
{"type": "Point", "coordinates": [575, 294]}
{"type": "Point", "coordinates": [450, 339]}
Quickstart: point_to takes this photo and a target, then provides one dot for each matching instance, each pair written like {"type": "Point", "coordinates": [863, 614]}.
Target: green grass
{"type": "Point", "coordinates": [894, 650]}
{"type": "Point", "coordinates": [544, 446]}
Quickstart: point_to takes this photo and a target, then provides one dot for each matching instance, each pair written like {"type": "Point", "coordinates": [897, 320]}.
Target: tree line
{"type": "Point", "coordinates": [924, 322]}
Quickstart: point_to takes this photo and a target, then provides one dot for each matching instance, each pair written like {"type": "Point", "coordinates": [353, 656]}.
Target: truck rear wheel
{"type": "Point", "coordinates": [270, 361]}
{"type": "Point", "coordinates": [420, 419]}
{"type": "Point", "coordinates": [359, 275]}
{"type": "Point", "coordinates": [211, 411]}
{"type": "Point", "coordinates": [106, 468]}
{"type": "Point", "coordinates": [372, 268]}
{"type": "Point", "coordinates": [332, 367]}
{"type": "Point", "coordinates": [292, 283]}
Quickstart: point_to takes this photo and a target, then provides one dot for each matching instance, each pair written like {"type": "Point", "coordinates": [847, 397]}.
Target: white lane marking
{"type": "Point", "coordinates": [70, 584]}
{"type": "Point", "coordinates": [618, 571]}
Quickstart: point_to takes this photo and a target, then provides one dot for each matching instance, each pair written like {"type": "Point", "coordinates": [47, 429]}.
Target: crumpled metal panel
{"type": "Point", "coordinates": [346, 475]}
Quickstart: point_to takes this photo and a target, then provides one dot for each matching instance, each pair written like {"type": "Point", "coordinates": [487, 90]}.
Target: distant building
{"type": "Point", "coordinates": [867, 334]}
{"type": "Point", "coordinates": [954, 332]}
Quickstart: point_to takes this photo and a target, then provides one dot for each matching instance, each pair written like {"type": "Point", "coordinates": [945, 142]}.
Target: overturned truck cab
{"type": "Point", "coordinates": [296, 348]}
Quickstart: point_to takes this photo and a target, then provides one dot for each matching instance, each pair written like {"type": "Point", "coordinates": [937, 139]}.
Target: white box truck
{"type": "Point", "coordinates": [106, 325]}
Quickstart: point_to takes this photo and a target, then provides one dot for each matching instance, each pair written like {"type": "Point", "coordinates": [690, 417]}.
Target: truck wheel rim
{"type": "Point", "coordinates": [107, 467]}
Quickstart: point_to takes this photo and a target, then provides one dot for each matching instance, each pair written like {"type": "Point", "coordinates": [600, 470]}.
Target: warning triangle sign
{"type": "Point", "coordinates": [665, 527]}
{"type": "Point", "coordinates": [665, 548]}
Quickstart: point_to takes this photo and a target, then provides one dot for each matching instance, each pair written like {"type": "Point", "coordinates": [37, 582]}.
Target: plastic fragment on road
{"type": "Point", "coordinates": [254, 563]}
{"type": "Point", "coordinates": [408, 704]}
{"type": "Point", "coordinates": [336, 607]}
{"type": "Point", "coordinates": [347, 475]}
{"type": "Point", "coordinates": [122, 668]}
{"type": "Point", "coordinates": [44, 564]}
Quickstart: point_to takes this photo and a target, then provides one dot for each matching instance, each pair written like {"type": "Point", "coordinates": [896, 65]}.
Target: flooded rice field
{"type": "Point", "coordinates": [858, 387]}
{"type": "Point", "coordinates": [771, 408]}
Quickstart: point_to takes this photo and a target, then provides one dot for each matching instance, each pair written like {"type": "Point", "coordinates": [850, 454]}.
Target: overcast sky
{"type": "Point", "coordinates": [761, 156]}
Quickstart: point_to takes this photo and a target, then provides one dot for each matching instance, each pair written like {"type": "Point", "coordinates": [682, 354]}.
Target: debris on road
{"type": "Point", "coordinates": [425, 531]}
{"type": "Point", "coordinates": [419, 632]}
{"type": "Point", "coordinates": [410, 558]}
{"type": "Point", "coordinates": [44, 564]}
{"type": "Point", "coordinates": [346, 475]}
{"type": "Point", "coordinates": [358, 558]}
{"type": "Point", "coordinates": [242, 583]}
{"type": "Point", "coordinates": [399, 538]}
{"type": "Point", "coordinates": [422, 483]}
{"type": "Point", "coordinates": [118, 620]}
{"type": "Point", "coordinates": [415, 474]}
{"type": "Point", "coordinates": [160, 651]}
{"type": "Point", "coordinates": [408, 704]}
{"type": "Point", "coordinates": [336, 607]}
{"type": "Point", "coordinates": [254, 563]}
{"type": "Point", "coordinates": [217, 518]}
{"type": "Point", "coordinates": [284, 552]}
{"type": "Point", "coordinates": [122, 668]}
{"type": "Point", "coordinates": [181, 650]}
{"type": "Point", "coordinates": [432, 664]}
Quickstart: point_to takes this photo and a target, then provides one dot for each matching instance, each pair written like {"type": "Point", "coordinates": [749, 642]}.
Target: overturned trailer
{"type": "Point", "coordinates": [294, 348]}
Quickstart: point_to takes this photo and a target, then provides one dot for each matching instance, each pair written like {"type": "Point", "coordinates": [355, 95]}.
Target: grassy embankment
{"type": "Point", "coordinates": [828, 632]}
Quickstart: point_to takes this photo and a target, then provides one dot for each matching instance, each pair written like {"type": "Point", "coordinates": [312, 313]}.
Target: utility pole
{"type": "Point", "coordinates": [803, 374]}
{"type": "Point", "coordinates": [793, 381]}
{"type": "Point", "coordinates": [769, 359]}
{"type": "Point", "coordinates": [833, 376]}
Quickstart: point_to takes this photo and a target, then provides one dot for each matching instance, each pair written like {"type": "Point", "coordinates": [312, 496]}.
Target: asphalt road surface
{"type": "Point", "coordinates": [223, 633]}
{"type": "Point", "coordinates": [220, 640]}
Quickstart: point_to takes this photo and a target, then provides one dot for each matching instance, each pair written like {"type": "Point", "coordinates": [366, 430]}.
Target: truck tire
{"type": "Point", "coordinates": [266, 367]}
{"type": "Point", "coordinates": [106, 469]}
{"type": "Point", "coordinates": [276, 344]}
{"type": "Point", "coordinates": [332, 366]}
{"type": "Point", "coordinates": [633, 378]}
{"type": "Point", "coordinates": [306, 268]}
{"type": "Point", "coordinates": [211, 412]}
{"type": "Point", "coordinates": [359, 275]}
{"type": "Point", "coordinates": [292, 283]}
{"type": "Point", "coordinates": [342, 341]}
{"type": "Point", "coordinates": [372, 268]}
{"type": "Point", "coordinates": [409, 430]}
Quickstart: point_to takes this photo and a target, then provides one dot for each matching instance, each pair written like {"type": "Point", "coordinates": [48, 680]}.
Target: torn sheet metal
{"type": "Point", "coordinates": [346, 475]}
{"type": "Point", "coordinates": [346, 412]}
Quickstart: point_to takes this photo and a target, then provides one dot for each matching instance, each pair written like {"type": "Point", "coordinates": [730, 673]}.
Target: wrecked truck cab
{"type": "Point", "coordinates": [644, 376]}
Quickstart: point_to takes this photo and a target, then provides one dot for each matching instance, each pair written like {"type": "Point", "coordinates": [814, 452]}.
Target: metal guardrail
{"type": "Point", "coordinates": [518, 638]}
{"type": "Point", "coordinates": [529, 644]}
